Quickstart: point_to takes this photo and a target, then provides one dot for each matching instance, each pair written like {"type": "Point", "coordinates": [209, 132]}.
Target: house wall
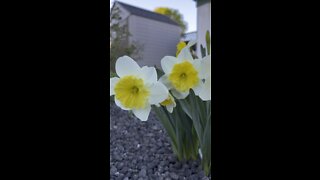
{"type": "Point", "coordinates": [157, 38]}
{"type": "Point", "coordinates": [203, 24]}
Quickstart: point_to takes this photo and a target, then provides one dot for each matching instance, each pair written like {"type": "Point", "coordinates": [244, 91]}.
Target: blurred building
{"type": "Point", "coordinates": [157, 34]}
{"type": "Point", "coordinates": [190, 36]}
{"type": "Point", "coordinates": [203, 22]}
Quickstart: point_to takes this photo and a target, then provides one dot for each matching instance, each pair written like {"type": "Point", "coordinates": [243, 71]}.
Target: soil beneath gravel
{"type": "Point", "coordinates": [142, 151]}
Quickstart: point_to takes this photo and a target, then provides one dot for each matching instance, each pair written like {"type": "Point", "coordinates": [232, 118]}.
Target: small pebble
{"type": "Point", "coordinates": [174, 175]}
{"type": "Point", "coordinates": [143, 173]}
{"type": "Point", "coordinates": [113, 170]}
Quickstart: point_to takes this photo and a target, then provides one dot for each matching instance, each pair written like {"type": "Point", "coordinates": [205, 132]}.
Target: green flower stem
{"type": "Point", "coordinates": [179, 127]}
{"type": "Point", "coordinates": [189, 107]}
{"type": "Point", "coordinates": [206, 149]}
{"type": "Point", "coordinates": [168, 126]}
{"type": "Point", "coordinates": [189, 141]}
{"type": "Point", "coordinates": [200, 113]}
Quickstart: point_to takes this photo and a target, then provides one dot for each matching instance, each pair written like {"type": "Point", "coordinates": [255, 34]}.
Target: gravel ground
{"type": "Point", "coordinates": [141, 150]}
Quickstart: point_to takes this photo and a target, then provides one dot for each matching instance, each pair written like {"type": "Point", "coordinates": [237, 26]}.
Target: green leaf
{"type": "Point", "coordinates": [203, 51]}
{"type": "Point", "coordinates": [200, 113]}
{"type": "Point", "coordinates": [159, 72]}
{"type": "Point", "coordinates": [190, 141]}
{"type": "Point", "coordinates": [201, 109]}
{"type": "Point", "coordinates": [208, 41]}
{"type": "Point", "coordinates": [195, 117]}
{"type": "Point", "coordinates": [167, 125]}
{"type": "Point", "coordinates": [208, 105]}
{"type": "Point", "coordinates": [111, 98]}
{"type": "Point", "coordinates": [195, 143]}
{"type": "Point", "coordinates": [179, 132]}
{"type": "Point", "coordinates": [179, 126]}
{"type": "Point", "coordinates": [185, 106]}
{"type": "Point", "coordinates": [206, 148]}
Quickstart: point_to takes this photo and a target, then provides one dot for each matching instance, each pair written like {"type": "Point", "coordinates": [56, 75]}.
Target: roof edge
{"type": "Point", "coordinates": [119, 3]}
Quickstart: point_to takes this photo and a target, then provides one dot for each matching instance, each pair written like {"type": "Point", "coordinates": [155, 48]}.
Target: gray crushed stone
{"type": "Point", "coordinates": [142, 151]}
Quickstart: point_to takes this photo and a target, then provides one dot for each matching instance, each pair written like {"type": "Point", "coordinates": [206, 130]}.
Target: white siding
{"type": "Point", "coordinates": [158, 39]}
{"type": "Point", "coordinates": [203, 24]}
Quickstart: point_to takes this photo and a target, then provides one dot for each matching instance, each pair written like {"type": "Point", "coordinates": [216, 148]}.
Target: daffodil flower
{"type": "Point", "coordinates": [169, 103]}
{"type": "Point", "coordinates": [205, 92]}
{"type": "Point", "coordinates": [136, 88]}
{"type": "Point", "coordinates": [182, 73]}
{"type": "Point", "coordinates": [180, 46]}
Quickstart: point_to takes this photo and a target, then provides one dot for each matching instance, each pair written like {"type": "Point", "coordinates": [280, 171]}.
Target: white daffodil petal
{"type": "Point", "coordinates": [197, 89]}
{"type": "Point", "coordinates": [149, 74]}
{"type": "Point", "coordinates": [206, 66]}
{"type": "Point", "coordinates": [191, 43]}
{"type": "Point", "coordinates": [167, 63]}
{"type": "Point", "coordinates": [179, 95]}
{"type": "Point", "coordinates": [185, 55]}
{"type": "Point", "coordinates": [198, 66]}
{"type": "Point", "coordinates": [170, 108]}
{"type": "Point", "coordinates": [142, 114]}
{"type": "Point", "coordinates": [164, 80]}
{"type": "Point", "coordinates": [158, 93]}
{"type": "Point", "coordinates": [127, 66]}
{"type": "Point", "coordinates": [205, 93]}
{"type": "Point", "coordinates": [113, 82]}
{"type": "Point", "coordinates": [118, 103]}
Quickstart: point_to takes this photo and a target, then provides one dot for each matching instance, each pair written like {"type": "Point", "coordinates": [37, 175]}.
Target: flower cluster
{"type": "Point", "coordinates": [138, 88]}
{"type": "Point", "coordinates": [181, 98]}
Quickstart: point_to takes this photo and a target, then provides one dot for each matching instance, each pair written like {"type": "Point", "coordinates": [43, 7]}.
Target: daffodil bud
{"type": "Point", "coordinates": [169, 103]}
{"type": "Point", "coordinates": [180, 46]}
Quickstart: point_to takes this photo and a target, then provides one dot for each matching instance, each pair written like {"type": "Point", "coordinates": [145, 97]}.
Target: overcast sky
{"type": "Point", "coordinates": [186, 7]}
